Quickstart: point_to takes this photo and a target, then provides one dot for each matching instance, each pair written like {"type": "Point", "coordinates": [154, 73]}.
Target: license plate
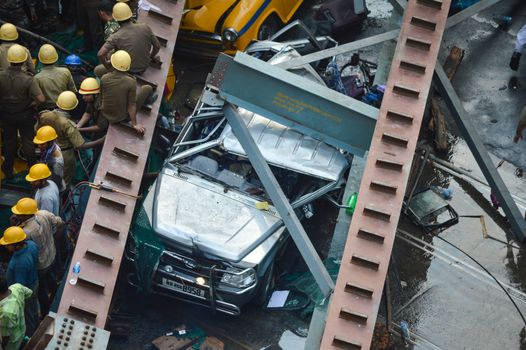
{"type": "Point", "coordinates": [183, 288]}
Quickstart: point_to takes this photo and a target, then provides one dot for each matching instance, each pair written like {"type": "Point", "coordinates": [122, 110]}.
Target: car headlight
{"type": "Point", "coordinates": [235, 278]}
{"type": "Point", "coordinates": [230, 34]}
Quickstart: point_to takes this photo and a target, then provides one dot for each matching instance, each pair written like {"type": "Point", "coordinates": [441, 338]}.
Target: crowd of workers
{"type": "Point", "coordinates": [39, 110]}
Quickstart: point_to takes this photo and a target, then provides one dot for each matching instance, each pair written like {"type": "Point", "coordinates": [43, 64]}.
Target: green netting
{"type": "Point", "coordinates": [68, 40]}
{"type": "Point", "coordinates": [5, 213]}
{"type": "Point", "coordinates": [148, 246]}
{"type": "Point", "coordinates": [193, 332]}
{"type": "Point", "coordinates": [305, 282]}
{"type": "Point", "coordinates": [18, 180]}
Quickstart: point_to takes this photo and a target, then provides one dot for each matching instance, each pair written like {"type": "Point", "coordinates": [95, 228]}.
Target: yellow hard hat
{"type": "Point", "coordinates": [16, 54]}
{"type": "Point", "coordinates": [37, 172]}
{"type": "Point", "coordinates": [121, 60]}
{"type": "Point", "coordinates": [89, 86]}
{"type": "Point", "coordinates": [45, 134]}
{"type": "Point", "coordinates": [47, 54]}
{"type": "Point", "coordinates": [25, 206]}
{"type": "Point", "coordinates": [8, 32]}
{"type": "Point", "coordinates": [67, 100]}
{"type": "Point", "coordinates": [121, 12]}
{"type": "Point", "coordinates": [12, 235]}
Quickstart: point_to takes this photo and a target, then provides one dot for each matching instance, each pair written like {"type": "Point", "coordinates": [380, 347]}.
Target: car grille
{"type": "Point", "coordinates": [189, 266]}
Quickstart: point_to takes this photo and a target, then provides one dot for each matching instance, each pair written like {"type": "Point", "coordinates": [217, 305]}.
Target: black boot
{"type": "Point", "coordinates": [514, 62]}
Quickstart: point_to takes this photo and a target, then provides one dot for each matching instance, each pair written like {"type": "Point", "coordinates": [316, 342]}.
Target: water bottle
{"type": "Point", "coordinates": [504, 22]}
{"type": "Point", "coordinates": [445, 193]}
{"type": "Point", "coordinates": [406, 334]}
{"type": "Point", "coordinates": [76, 272]}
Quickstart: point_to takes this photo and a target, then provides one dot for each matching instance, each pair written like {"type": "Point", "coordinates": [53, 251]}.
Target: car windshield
{"type": "Point", "coordinates": [234, 172]}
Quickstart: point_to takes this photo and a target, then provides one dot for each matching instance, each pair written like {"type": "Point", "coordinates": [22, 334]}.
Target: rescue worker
{"type": "Point", "coordinates": [521, 125]}
{"type": "Point", "coordinates": [89, 23]}
{"type": "Point", "coordinates": [18, 94]}
{"type": "Point", "coordinates": [90, 91]}
{"type": "Point", "coordinates": [47, 195]}
{"type": "Point", "coordinates": [135, 38]}
{"type": "Point", "coordinates": [39, 226]}
{"type": "Point", "coordinates": [52, 79]}
{"type": "Point", "coordinates": [119, 95]}
{"type": "Point", "coordinates": [74, 64]}
{"type": "Point", "coordinates": [50, 154]}
{"type": "Point", "coordinates": [12, 322]}
{"type": "Point", "coordinates": [519, 46]}
{"type": "Point", "coordinates": [69, 138]}
{"type": "Point", "coordinates": [8, 37]}
{"type": "Point", "coordinates": [105, 9]}
{"type": "Point", "coordinates": [13, 11]}
{"type": "Point", "coordinates": [22, 268]}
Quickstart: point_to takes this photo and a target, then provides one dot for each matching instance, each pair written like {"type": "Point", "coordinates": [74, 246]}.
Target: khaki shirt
{"type": "Point", "coordinates": [68, 134]}
{"type": "Point", "coordinates": [136, 39]}
{"type": "Point", "coordinates": [18, 90]}
{"type": "Point", "coordinates": [28, 64]}
{"type": "Point", "coordinates": [40, 229]}
{"type": "Point", "coordinates": [118, 89]}
{"type": "Point", "coordinates": [94, 109]}
{"type": "Point", "coordinates": [54, 80]}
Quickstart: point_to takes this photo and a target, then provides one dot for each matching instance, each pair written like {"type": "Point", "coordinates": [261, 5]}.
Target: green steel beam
{"type": "Point", "coordinates": [296, 102]}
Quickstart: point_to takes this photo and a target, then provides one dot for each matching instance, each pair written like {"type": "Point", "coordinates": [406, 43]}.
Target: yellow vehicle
{"type": "Point", "coordinates": [212, 26]}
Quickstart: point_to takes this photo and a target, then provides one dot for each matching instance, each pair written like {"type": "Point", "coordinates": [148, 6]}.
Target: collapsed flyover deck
{"type": "Point", "coordinates": [352, 312]}
{"type": "Point", "coordinates": [108, 215]}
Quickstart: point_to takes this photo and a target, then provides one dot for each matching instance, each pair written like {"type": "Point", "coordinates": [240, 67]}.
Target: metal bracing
{"type": "Point", "coordinates": [285, 210]}
{"type": "Point", "coordinates": [470, 134]}
{"type": "Point", "coordinates": [354, 305]}
{"type": "Point", "coordinates": [297, 102]}
{"type": "Point", "coordinates": [390, 35]}
{"type": "Point", "coordinates": [338, 50]}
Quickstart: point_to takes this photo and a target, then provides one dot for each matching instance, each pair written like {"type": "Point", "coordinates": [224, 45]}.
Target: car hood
{"type": "Point", "coordinates": [197, 213]}
{"type": "Point", "coordinates": [205, 15]}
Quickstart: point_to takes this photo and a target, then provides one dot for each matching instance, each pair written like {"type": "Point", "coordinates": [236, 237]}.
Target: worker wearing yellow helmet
{"type": "Point", "coordinates": [22, 269]}
{"type": "Point", "coordinates": [52, 79]}
{"type": "Point", "coordinates": [118, 89]}
{"type": "Point", "coordinates": [50, 154]}
{"type": "Point", "coordinates": [41, 227]}
{"type": "Point", "coordinates": [137, 39]}
{"type": "Point", "coordinates": [47, 194]}
{"type": "Point", "coordinates": [68, 138]}
{"type": "Point", "coordinates": [8, 37]}
{"type": "Point", "coordinates": [90, 91]}
{"type": "Point", "coordinates": [19, 91]}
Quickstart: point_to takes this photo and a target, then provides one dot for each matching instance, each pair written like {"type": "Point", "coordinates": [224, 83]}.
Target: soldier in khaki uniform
{"type": "Point", "coordinates": [69, 138]}
{"type": "Point", "coordinates": [136, 39]}
{"type": "Point", "coordinates": [8, 37]}
{"type": "Point", "coordinates": [90, 91]}
{"type": "Point", "coordinates": [105, 9]}
{"type": "Point", "coordinates": [119, 95]}
{"type": "Point", "coordinates": [19, 92]}
{"type": "Point", "coordinates": [52, 79]}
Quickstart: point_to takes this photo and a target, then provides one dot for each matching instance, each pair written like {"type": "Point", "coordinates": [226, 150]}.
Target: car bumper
{"type": "Point", "coordinates": [222, 298]}
{"type": "Point", "coordinates": [206, 45]}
